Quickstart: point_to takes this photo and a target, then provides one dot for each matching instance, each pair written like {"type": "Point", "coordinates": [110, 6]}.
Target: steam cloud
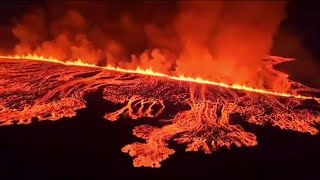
{"type": "Point", "coordinates": [211, 39]}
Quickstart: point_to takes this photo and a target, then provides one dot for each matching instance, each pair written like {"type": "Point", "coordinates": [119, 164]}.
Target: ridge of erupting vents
{"type": "Point", "coordinates": [50, 91]}
{"type": "Point", "coordinates": [150, 72]}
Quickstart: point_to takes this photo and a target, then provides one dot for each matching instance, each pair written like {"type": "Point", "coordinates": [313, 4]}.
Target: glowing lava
{"type": "Point", "coordinates": [198, 113]}
{"type": "Point", "coordinates": [150, 72]}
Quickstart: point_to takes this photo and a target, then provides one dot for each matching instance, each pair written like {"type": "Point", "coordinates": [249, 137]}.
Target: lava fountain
{"type": "Point", "coordinates": [48, 89]}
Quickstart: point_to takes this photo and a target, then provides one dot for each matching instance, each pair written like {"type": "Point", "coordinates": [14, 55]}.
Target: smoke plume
{"type": "Point", "coordinates": [217, 40]}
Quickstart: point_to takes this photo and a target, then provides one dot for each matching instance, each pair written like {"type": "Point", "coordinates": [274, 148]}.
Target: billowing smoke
{"type": "Point", "coordinates": [227, 39]}
{"type": "Point", "coordinates": [218, 40]}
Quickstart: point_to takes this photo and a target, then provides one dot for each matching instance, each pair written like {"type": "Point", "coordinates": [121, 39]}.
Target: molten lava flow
{"type": "Point", "coordinates": [199, 113]}
{"type": "Point", "coordinates": [150, 72]}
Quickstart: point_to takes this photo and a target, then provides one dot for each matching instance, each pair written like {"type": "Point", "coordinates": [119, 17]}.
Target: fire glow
{"type": "Point", "coordinates": [150, 72]}
{"type": "Point", "coordinates": [197, 70]}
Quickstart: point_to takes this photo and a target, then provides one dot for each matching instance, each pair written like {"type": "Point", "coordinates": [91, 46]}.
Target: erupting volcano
{"type": "Point", "coordinates": [196, 77]}
{"type": "Point", "coordinates": [205, 112]}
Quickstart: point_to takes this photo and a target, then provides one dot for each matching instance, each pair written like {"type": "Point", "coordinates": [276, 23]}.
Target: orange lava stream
{"type": "Point", "coordinates": [150, 72]}
{"type": "Point", "coordinates": [203, 118]}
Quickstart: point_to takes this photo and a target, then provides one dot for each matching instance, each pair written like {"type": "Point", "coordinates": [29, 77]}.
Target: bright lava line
{"type": "Point", "coordinates": [150, 72]}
